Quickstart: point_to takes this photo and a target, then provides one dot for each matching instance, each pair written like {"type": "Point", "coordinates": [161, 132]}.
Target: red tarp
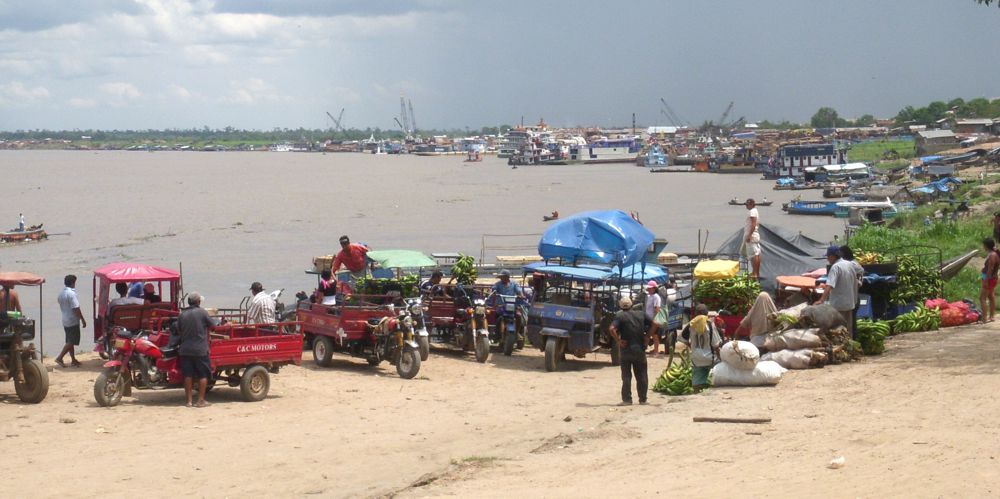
{"type": "Point", "coordinates": [131, 272]}
{"type": "Point", "coordinates": [20, 279]}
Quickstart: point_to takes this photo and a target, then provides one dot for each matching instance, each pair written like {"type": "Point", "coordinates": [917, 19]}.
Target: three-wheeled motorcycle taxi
{"type": "Point", "coordinates": [136, 318]}
{"type": "Point", "coordinates": [18, 361]}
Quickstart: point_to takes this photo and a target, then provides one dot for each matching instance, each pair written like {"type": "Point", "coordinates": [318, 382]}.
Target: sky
{"type": "Point", "coordinates": [261, 64]}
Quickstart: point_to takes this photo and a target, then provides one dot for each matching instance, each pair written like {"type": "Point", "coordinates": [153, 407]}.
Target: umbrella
{"type": "Point", "coordinates": [405, 259]}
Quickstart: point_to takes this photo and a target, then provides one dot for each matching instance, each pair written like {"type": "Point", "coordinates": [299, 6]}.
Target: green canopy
{"type": "Point", "coordinates": [403, 259]}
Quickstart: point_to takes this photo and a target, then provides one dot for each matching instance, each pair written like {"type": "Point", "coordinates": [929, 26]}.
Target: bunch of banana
{"type": "Point", "coordinates": [867, 257]}
{"type": "Point", "coordinates": [871, 335]}
{"type": "Point", "coordinates": [921, 319]}
{"type": "Point", "coordinates": [675, 380]}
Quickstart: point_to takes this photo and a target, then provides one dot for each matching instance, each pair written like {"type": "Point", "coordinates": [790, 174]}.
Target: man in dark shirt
{"type": "Point", "coordinates": [193, 325]}
{"type": "Point", "coordinates": [628, 330]}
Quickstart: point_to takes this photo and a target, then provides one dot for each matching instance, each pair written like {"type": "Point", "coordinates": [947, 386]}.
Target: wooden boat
{"type": "Point", "coordinates": [795, 207]}
{"type": "Point", "coordinates": [33, 233]}
{"type": "Point", "coordinates": [737, 202]}
{"type": "Point", "coordinates": [549, 218]}
{"type": "Point", "coordinates": [796, 187]}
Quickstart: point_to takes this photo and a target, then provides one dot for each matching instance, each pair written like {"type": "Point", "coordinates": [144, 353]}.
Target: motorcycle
{"type": "Point", "coordinates": [509, 332]}
{"type": "Point", "coordinates": [394, 342]}
{"type": "Point", "coordinates": [136, 361]}
{"type": "Point", "coordinates": [415, 308]}
{"type": "Point", "coordinates": [479, 327]}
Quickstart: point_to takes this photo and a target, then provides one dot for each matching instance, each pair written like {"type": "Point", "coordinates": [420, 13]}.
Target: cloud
{"type": "Point", "coordinates": [120, 93]}
{"type": "Point", "coordinates": [179, 92]}
{"type": "Point", "coordinates": [251, 91]}
{"type": "Point", "coordinates": [82, 103]}
{"type": "Point", "coordinates": [17, 94]}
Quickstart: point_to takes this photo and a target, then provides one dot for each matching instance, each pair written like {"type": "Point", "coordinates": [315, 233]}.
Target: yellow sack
{"type": "Point", "coordinates": [711, 270]}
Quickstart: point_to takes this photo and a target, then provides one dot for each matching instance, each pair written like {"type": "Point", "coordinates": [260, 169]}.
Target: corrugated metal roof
{"type": "Point", "coordinates": [983, 121]}
{"type": "Point", "coordinates": [936, 134]}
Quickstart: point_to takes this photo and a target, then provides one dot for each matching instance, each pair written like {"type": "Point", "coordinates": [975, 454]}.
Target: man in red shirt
{"type": "Point", "coordinates": [351, 256]}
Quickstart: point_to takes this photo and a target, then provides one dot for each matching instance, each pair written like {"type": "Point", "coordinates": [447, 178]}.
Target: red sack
{"type": "Point", "coordinates": [952, 317]}
{"type": "Point", "coordinates": [938, 303]}
{"type": "Point", "coordinates": [960, 305]}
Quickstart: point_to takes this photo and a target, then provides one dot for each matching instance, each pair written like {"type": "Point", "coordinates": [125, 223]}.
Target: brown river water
{"type": "Point", "coordinates": [234, 218]}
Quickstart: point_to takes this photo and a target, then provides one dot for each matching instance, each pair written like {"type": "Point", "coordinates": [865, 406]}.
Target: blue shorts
{"type": "Point", "coordinates": [197, 366]}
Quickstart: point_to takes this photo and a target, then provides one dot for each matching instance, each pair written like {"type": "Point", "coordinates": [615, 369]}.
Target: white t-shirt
{"type": "Point", "coordinates": [653, 302]}
{"type": "Point", "coordinates": [751, 217]}
{"type": "Point", "coordinates": [67, 303]}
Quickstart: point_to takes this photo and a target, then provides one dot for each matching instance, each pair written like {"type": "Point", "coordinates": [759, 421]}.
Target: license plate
{"type": "Point", "coordinates": [119, 343]}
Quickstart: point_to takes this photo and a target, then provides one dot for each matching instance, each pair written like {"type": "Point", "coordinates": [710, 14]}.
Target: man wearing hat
{"type": "Point", "coordinates": [507, 287]}
{"type": "Point", "coordinates": [653, 304]}
{"type": "Point", "coordinates": [351, 256]}
{"type": "Point", "coordinates": [839, 290]}
{"type": "Point", "coordinates": [628, 330]}
{"type": "Point", "coordinates": [261, 310]}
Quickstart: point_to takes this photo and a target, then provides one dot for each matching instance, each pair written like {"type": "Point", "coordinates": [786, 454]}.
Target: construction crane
{"type": "Point", "coordinates": [401, 126]}
{"type": "Point", "coordinates": [403, 121]}
{"type": "Point", "coordinates": [413, 120]}
{"type": "Point", "coordinates": [670, 114]}
{"type": "Point", "coordinates": [725, 114]}
{"type": "Point", "coordinates": [336, 121]}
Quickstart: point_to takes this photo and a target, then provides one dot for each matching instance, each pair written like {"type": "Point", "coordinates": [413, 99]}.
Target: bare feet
{"type": "Point", "coordinates": [202, 403]}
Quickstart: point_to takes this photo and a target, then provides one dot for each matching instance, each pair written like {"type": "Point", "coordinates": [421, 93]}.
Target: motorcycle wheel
{"type": "Point", "coordinates": [322, 351]}
{"type": "Point", "coordinates": [255, 383]}
{"type": "Point", "coordinates": [552, 354]}
{"type": "Point", "coordinates": [109, 388]}
{"type": "Point", "coordinates": [424, 343]}
{"type": "Point", "coordinates": [36, 382]}
{"type": "Point", "coordinates": [482, 349]}
{"type": "Point", "coordinates": [509, 340]}
{"type": "Point", "coordinates": [408, 364]}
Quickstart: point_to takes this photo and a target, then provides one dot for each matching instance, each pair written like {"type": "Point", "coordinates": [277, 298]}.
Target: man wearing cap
{"type": "Point", "coordinates": [351, 256]}
{"type": "Point", "coordinates": [261, 310]}
{"type": "Point", "coordinates": [507, 287]}
{"type": "Point", "coordinates": [193, 324]}
{"type": "Point", "coordinates": [628, 331]}
{"type": "Point", "coordinates": [751, 237]}
{"type": "Point", "coordinates": [653, 304]}
{"type": "Point", "coordinates": [839, 290]}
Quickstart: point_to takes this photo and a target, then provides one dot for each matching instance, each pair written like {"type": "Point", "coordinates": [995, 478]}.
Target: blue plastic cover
{"type": "Point", "coordinates": [601, 236]}
{"type": "Point", "coordinates": [593, 274]}
{"type": "Point", "coordinates": [636, 273]}
{"type": "Point", "coordinates": [785, 181]}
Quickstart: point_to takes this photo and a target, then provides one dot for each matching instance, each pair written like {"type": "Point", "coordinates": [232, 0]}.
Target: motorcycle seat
{"type": "Point", "coordinates": [169, 353]}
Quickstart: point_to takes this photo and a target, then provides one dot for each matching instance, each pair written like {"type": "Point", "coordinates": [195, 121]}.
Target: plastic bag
{"type": "Point", "coordinates": [791, 359]}
{"type": "Point", "coordinates": [793, 339]}
{"type": "Point", "coordinates": [763, 374]}
{"type": "Point", "coordinates": [740, 354]}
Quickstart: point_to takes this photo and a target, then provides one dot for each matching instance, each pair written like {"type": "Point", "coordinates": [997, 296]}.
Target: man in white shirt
{"type": "Point", "coordinates": [261, 310]}
{"type": "Point", "coordinates": [653, 304]}
{"type": "Point", "coordinates": [751, 237]}
{"type": "Point", "coordinates": [72, 320]}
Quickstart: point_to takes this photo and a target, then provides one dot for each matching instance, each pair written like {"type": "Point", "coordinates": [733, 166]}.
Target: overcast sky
{"type": "Point", "coordinates": [116, 64]}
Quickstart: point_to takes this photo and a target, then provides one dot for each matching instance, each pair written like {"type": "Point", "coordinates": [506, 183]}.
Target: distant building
{"type": "Point", "coordinates": [932, 141]}
{"type": "Point", "coordinates": [794, 159]}
{"type": "Point", "coordinates": [974, 126]}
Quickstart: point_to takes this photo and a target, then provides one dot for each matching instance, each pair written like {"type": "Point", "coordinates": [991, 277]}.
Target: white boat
{"type": "Point", "coordinates": [606, 151]}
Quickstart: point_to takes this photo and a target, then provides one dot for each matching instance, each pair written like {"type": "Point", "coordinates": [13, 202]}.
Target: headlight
{"type": "Point", "coordinates": [408, 322]}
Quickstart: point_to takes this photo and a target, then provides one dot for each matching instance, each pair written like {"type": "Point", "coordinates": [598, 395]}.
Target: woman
{"type": "Point", "coordinates": [326, 293]}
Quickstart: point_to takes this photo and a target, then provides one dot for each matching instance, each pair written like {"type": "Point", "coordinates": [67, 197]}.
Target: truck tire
{"type": "Point", "coordinates": [509, 340]}
{"type": "Point", "coordinates": [424, 342]}
{"type": "Point", "coordinates": [255, 383]}
{"type": "Point", "coordinates": [482, 349]}
{"type": "Point", "coordinates": [552, 354]}
{"type": "Point", "coordinates": [322, 351]}
{"type": "Point", "coordinates": [616, 353]}
{"type": "Point", "coordinates": [109, 388]}
{"type": "Point", "coordinates": [36, 382]}
{"type": "Point", "coordinates": [408, 364]}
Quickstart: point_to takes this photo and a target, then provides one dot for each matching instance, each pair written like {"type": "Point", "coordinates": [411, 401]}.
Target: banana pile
{"type": "Point", "coordinates": [871, 335]}
{"type": "Point", "coordinates": [867, 257]}
{"type": "Point", "coordinates": [921, 319]}
{"type": "Point", "coordinates": [676, 380]}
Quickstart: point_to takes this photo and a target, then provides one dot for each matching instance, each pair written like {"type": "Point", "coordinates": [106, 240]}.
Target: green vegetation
{"type": "Point", "coordinates": [956, 108]}
{"type": "Point", "coordinates": [827, 117]}
{"type": "Point", "coordinates": [875, 150]}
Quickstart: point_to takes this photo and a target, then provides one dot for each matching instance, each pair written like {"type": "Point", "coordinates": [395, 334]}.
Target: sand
{"type": "Point", "coordinates": [915, 422]}
{"type": "Point", "coordinates": [235, 218]}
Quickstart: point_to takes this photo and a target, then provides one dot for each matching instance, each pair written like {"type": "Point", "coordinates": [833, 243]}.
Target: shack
{"type": "Point", "coordinates": [932, 141]}
{"type": "Point", "coordinates": [896, 193]}
{"type": "Point", "coordinates": [979, 125]}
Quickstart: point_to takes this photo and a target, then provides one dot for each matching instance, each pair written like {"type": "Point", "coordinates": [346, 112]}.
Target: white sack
{"type": "Point", "coordinates": [740, 354]}
{"type": "Point", "coordinates": [765, 373]}
{"type": "Point", "coordinates": [791, 359]}
{"type": "Point", "coordinates": [793, 339]}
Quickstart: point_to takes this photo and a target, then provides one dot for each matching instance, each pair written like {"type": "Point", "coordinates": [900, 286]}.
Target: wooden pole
{"type": "Point", "coordinates": [731, 420]}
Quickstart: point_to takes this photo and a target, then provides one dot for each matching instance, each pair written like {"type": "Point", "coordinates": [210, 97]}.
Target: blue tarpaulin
{"type": "Point", "coordinates": [785, 181]}
{"type": "Point", "coordinates": [588, 273]}
{"type": "Point", "coordinates": [611, 237]}
{"type": "Point", "coordinates": [637, 273]}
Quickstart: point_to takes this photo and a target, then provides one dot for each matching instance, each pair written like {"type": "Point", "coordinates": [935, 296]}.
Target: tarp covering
{"type": "Point", "coordinates": [716, 269]}
{"type": "Point", "coordinates": [595, 274]}
{"type": "Point", "coordinates": [602, 236]}
{"type": "Point", "coordinates": [785, 181]}
{"type": "Point", "coordinates": [642, 273]}
{"type": "Point", "coordinates": [11, 279]}
{"type": "Point", "coordinates": [783, 252]}
{"type": "Point", "coordinates": [401, 259]}
{"type": "Point", "coordinates": [131, 272]}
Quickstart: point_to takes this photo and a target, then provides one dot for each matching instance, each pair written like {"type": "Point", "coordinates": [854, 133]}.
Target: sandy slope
{"type": "Point", "coordinates": [919, 421]}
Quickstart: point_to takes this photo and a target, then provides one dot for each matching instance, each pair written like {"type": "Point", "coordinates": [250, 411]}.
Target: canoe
{"type": "Point", "coordinates": [31, 234]}
{"type": "Point", "coordinates": [736, 202]}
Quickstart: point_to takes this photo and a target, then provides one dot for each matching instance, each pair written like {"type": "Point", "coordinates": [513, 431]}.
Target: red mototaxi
{"type": "Point", "coordinates": [167, 282]}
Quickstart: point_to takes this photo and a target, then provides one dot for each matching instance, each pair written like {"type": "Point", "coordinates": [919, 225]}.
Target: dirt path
{"type": "Point", "coordinates": [918, 421]}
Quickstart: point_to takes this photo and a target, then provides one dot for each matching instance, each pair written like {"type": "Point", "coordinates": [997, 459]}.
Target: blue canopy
{"type": "Point", "coordinates": [785, 181]}
{"type": "Point", "coordinates": [601, 236]}
{"type": "Point", "coordinates": [636, 273]}
{"type": "Point", "coordinates": [589, 273]}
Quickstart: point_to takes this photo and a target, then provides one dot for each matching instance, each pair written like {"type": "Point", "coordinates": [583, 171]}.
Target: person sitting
{"type": "Point", "coordinates": [432, 287]}
{"type": "Point", "coordinates": [123, 298]}
{"type": "Point", "coordinates": [262, 307]}
{"type": "Point", "coordinates": [326, 293]}
{"type": "Point", "coordinates": [507, 287]}
{"type": "Point", "coordinates": [149, 293]}
{"type": "Point", "coordinates": [9, 300]}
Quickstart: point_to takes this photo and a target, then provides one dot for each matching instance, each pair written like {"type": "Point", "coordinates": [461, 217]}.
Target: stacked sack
{"type": "Point", "coordinates": [741, 366]}
{"type": "Point", "coordinates": [953, 314]}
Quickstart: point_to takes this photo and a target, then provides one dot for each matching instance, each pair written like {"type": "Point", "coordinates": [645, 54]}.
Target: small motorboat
{"type": "Point", "coordinates": [737, 202]}
{"type": "Point", "coordinates": [33, 233]}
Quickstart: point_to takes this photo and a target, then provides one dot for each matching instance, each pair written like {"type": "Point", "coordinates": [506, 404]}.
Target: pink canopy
{"type": "Point", "coordinates": [131, 272]}
{"type": "Point", "coordinates": [11, 279]}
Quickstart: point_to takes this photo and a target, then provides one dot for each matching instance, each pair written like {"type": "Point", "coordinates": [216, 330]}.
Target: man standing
{"type": "Point", "coordinates": [261, 310]}
{"type": "Point", "coordinates": [627, 329]}
{"type": "Point", "coordinates": [751, 237]}
{"type": "Point", "coordinates": [653, 304]}
{"type": "Point", "coordinates": [351, 256]}
{"type": "Point", "coordinates": [987, 296]}
{"type": "Point", "coordinates": [193, 325]}
{"type": "Point", "coordinates": [72, 319]}
{"type": "Point", "coordinates": [20, 224]}
{"type": "Point", "coordinates": [840, 289]}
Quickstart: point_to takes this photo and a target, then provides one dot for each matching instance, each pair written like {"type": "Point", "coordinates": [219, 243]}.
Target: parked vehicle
{"type": "Point", "coordinates": [135, 318]}
{"type": "Point", "coordinates": [458, 319]}
{"type": "Point", "coordinates": [243, 355]}
{"type": "Point", "coordinates": [369, 327]}
{"type": "Point", "coordinates": [19, 362]}
{"type": "Point", "coordinates": [415, 309]}
{"type": "Point", "coordinates": [509, 326]}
